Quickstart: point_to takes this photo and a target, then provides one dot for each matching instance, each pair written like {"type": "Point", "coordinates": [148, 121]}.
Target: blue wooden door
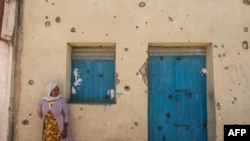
{"type": "Point", "coordinates": [176, 98]}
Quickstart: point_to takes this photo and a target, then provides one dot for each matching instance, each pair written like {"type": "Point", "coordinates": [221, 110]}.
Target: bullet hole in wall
{"type": "Point", "coordinates": [25, 122]}
{"type": "Point", "coordinates": [215, 46]}
{"type": "Point", "coordinates": [81, 109]}
{"type": "Point", "coordinates": [170, 19]}
{"type": "Point", "coordinates": [246, 2]}
{"type": "Point", "coordinates": [30, 114]}
{"type": "Point", "coordinates": [126, 88]}
{"type": "Point", "coordinates": [218, 107]}
{"type": "Point", "coordinates": [142, 4]}
{"type": "Point", "coordinates": [73, 29]}
{"type": "Point", "coordinates": [245, 44]}
{"type": "Point", "coordinates": [46, 17]}
{"type": "Point", "coordinates": [234, 100]}
{"type": "Point", "coordinates": [114, 17]}
{"type": "Point", "coordinates": [31, 82]}
{"type": "Point", "coordinates": [136, 124]}
{"type": "Point", "coordinates": [181, 28]}
{"type": "Point", "coordinates": [245, 29]}
{"type": "Point", "coordinates": [226, 68]}
{"type": "Point", "coordinates": [47, 23]}
{"type": "Point", "coordinates": [58, 19]}
{"type": "Point", "coordinates": [137, 26]}
{"type": "Point", "coordinates": [53, 3]}
{"type": "Point", "coordinates": [219, 55]}
{"type": "Point", "coordinates": [107, 34]}
{"type": "Point", "coordinates": [126, 49]}
{"type": "Point", "coordinates": [117, 80]}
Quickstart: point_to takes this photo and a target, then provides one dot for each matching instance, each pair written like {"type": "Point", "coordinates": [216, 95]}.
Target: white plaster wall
{"type": "Point", "coordinates": [50, 24]}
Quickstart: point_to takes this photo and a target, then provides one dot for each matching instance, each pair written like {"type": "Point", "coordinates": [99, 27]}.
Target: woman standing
{"type": "Point", "coordinates": [53, 110]}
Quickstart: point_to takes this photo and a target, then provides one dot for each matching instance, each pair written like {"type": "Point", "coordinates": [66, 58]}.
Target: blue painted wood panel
{"type": "Point", "coordinates": [177, 99]}
{"type": "Point", "coordinates": [97, 78]}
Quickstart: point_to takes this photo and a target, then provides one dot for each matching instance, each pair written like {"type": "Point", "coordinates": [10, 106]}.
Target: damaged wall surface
{"type": "Point", "coordinates": [48, 33]}
{"type": "Point", "coordinates": [7, 19]}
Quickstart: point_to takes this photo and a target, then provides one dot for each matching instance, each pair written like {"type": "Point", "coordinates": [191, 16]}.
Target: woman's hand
{"type": "Point", "coordinates": [64, 133]}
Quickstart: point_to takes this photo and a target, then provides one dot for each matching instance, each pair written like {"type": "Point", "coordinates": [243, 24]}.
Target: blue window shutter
{"type": "Point", "coordinates": [92, 76]}
{"type": "Point", "coordinates": [103, 79]}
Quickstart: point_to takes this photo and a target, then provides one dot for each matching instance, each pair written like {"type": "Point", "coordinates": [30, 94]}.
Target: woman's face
{"type": "Point", "coordinates": [54, 92]}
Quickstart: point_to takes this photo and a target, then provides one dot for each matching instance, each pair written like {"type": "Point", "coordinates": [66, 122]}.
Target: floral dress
{"type": "Point", "coordinates": [51, 131]}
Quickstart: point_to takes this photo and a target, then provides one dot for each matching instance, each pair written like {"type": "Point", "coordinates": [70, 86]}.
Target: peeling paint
{"type": "Point", "coordinates": [77, 80]}
{"type": "Point", "coordinates": [144, 73]}
{"type": "Point", "coordinates": [110, 94]}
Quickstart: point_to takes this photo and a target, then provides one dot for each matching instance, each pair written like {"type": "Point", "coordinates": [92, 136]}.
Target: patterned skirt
{"type": "Point", "coordinates": [51, 131]}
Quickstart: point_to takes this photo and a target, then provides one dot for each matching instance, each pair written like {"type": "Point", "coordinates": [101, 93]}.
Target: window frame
{"type": "Point", "coordinates": [92, 55]}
